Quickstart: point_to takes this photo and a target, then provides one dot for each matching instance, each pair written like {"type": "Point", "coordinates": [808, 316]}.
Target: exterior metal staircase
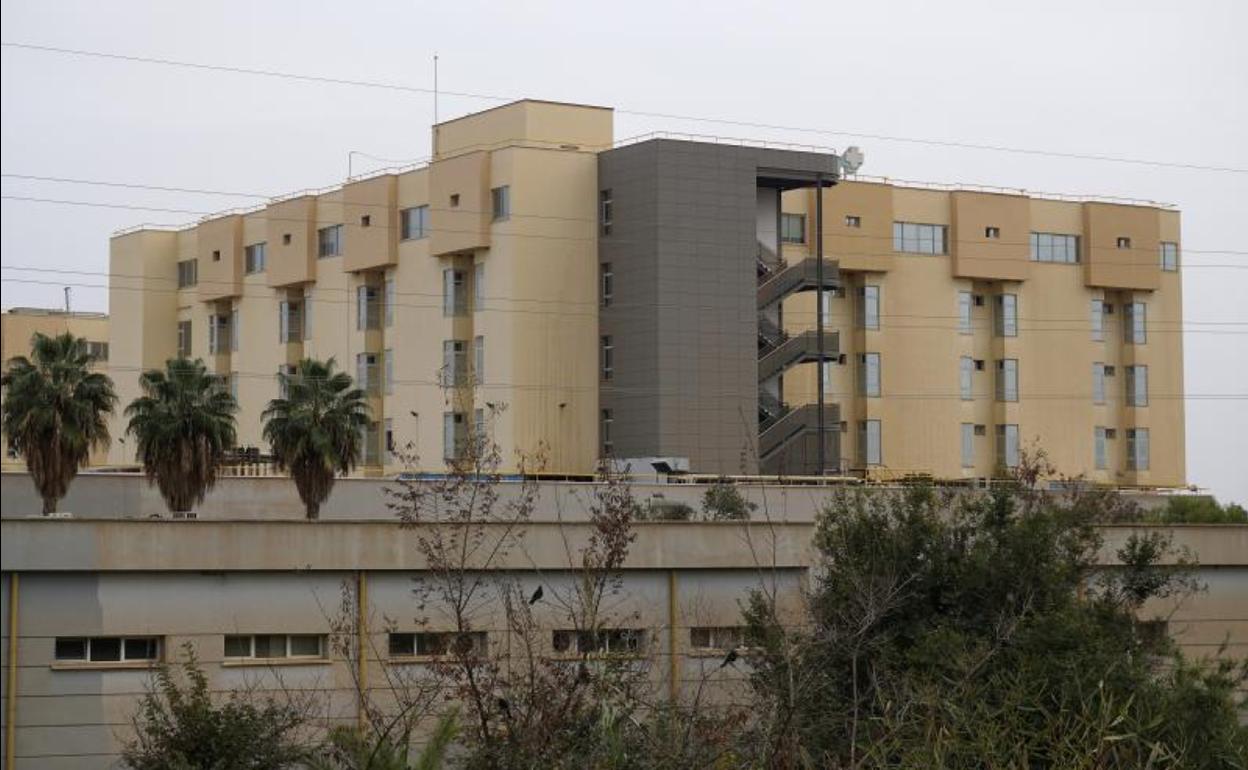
{"type": "Point", "coordinates": [803, 348]}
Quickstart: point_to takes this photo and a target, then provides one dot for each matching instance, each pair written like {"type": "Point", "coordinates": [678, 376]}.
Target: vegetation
{"type": "Point", "coordinates": [315, 428]}
{"type": "Point", "coordinates": [179, 726]}
{"type": "Point", "coordinates": [349, 748]}
{"type": "Point", "coordinates": [184, 424]}
{"type": "Point", "coordinates": [1197, 510]}
{"type": "Point", "coordinates": [55, 411]}
{"type": "Point", "coordinates": [722, 501]}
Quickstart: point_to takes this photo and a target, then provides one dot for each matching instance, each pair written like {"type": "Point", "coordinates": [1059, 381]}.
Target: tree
{"type": "Point", "coordinates": [979, 630]}
{"type": "Point", "coordinates": [55, 411]}
{"type": "Point", "coordinates": [184, 423]}
{"type": "Point", "coordinates": [179, 726]}
{"type": "Point", "coordinates": [314, 430]}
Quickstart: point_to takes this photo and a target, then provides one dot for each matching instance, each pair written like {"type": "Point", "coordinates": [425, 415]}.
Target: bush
{"type": "Point", "coordinates": [723, 502]}
{"type": "Point", "coordinates": [659, 509]}
{"type": "Point", "coordinates": [1192, 509]}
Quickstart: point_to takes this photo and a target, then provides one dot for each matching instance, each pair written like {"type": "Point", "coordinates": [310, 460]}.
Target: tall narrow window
{"type": "Point", "coordinates": [387, 442]}
{"type": "Point", "coordinates": [454, 363]}
{"type": "Point", "coordinates": [1134, 323]}
{"type": "Point", "coordinates": [1100, 449]}
{"type": "Point", "coordinates": [965, 303]}
{"type": "Point", "coordinates": [793, 228]}
{"type": "Point", "coordinates": [388, 359]}
{"type": "Point", "coordinates": [235, 325]}
{"type": "Point", "coordinates": [869, 449]}
{"type": "Point", "coordinates": [869, 307]}
{"type": "Point", "coordinates": [606, 211]}
{"type": "Point", "coordinates": [289, 322]}
{"type": "Point", "coordinates": [367, 308]}
{"type": "Point", "coordinates": [500, 201]}
{"type": "Point", "coordinates": [607, 357]}
{"type": "Point", "coordinates": [1006, 315]}
{"type": "Point", "coordinates": [607, 422]}
{"type": "Point", "coordinates": [966, 373]}
{"type": "Point", "coordinates": [184, 339]}
{"type": "Point", "coordinates": [1007, 379]}
{"type": "Point", "coordinates": [606, 284]}
{"type": "Point", "coordinates": [1098, 320]}
{"type": "Point", "coordinates": [1137, 449]}
{"type": "Point", "coordinates": [1137, 385]}
{"type": "Point", "coordinates": [454, 435]}
{"type": "Point", "coordinates": [454, 296]}
{"type": "Point", "coordinates": [1098, 383]}
{"type": "Point", "coordinates": [968, 445]}
{"type": "Point", "coordinates": [1007, 446]}
{"type": "Point", "coordinates": [478, 286]}
{"type": "Point", "coordinates": [869, 374]}
{"type": "Point", "coordinates": [389, 301]}
{"type": "Point", "coordinates": [366, 373]}
{"type": "Point", "coordinates": [478, 359]}
{"type": "Point", "coordinates": [1169, 256]}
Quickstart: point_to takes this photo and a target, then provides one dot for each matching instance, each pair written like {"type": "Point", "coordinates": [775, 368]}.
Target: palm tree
{"type": "Point", "coordinates": [55, 411]}
{"type": "Point", "coordinates": [314, 429]}
{"type": "Point", "coordinates": [184, 423]}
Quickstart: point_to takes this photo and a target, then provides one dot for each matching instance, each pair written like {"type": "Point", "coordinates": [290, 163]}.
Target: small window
{"type": "Point", "coordinates": [606, 284]}
{"type": "Point", "coordinates": [606, 211]}
{"type": "Point", "coordinates": [436, 644]}
{"type": "Point", "coordinates": [979, 300]}
{"type": "Point", "coordinates": [608, 357]}
{"type": "Point", "coordinates": [1124, 242]}
{"type": "Point", "coordinates": [454, 200]}
{"type": "Point", "coordinates": [716, 638]}
{"type": "Point", "coordinates": [992, 232]}
{"type": "Point", "coordinates": [216, 255]}
{"type": "Point", "coordinates": [274, 646]}
{"type": "Point", "coordinates": [981, 430]}
{"type": "Point", "coordinates": [793, 228]}
{"type": "Point", "coordinates": [979, 364]}
{"type": "Point", "coordinates": [608, 641]}
{"type": "Point", "coordinates": [1111, 433]}
{"type": "Point", "coordinates": [106, 649]}
{"type": "Point", "coordinates": [607, 423]}
{"type": "Point", "coordinates": [853, 220]}
{"type": "Point", "coordinates": [285, 239]}
{"type": "Point", "coordinates": [500, 202]}
{"type": "Point", "coordinates": [366, 220]}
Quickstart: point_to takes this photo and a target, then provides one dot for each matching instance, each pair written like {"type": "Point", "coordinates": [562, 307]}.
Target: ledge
{"type": "Point", "coordinates": [105, 665]}
{"type": "Point", "coordinates": [267, 662]}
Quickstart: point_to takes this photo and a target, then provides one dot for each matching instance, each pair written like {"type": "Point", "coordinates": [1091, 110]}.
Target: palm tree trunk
{"type": "Point", "coordinates": [314, 509]}
{"type": "Point", "coordinates": [49, 504]}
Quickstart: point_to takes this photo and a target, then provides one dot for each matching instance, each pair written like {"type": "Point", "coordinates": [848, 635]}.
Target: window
{"type": "Point", "coordinates": [968, 445]}
{"type": "Point", "coordinates": [966, 371]}
{"type": "Point", "coordinates": [454, 293]}
{"type": "Point", "coordinates": [270, 646]}
{"type": "Point", "coordinates": [1006, 315]}
{"type": "Point", "coordinates": [232, 384]}
{"type": "Point", "coordinates": [979, 364]}
{"type": "Point", "coordinates": [608, 641]}
{"type": "Point", "coordinates": [388, 446]}
{"type": "Point", "coordinates": [992, 232]}
{"type": "Point", "coordinates": [367, 308]}
{"type": "Point", "coordinates": [478, 286]}
{"type": "Point", "coordinates": [1124, 242]}
{"type": "Point", "coordinates": [792, 228]}
{"type": "Point", "coordinates": [716, 638]}
{"type": "Point", "coordinates": [500, 202]}
{"type": "Point", "coordinates": [1169, 256]}
{"type": "Point", "coordinates": [1100, 449]}
{"type": "Point", "coordinates": [1098, 320]}
{"type": "Point", "coordinates": [853, 220]}
{"type": "Point", "coordinates": [366, 220]}
{"type": "Point", "coordinates": [1007, 379]}
{"type": "Point", "coordinates": [184, 339]}
{"type": "Point", "coordinates": [366, 373]}
{"type": "Point", "coordinates": [97, 350]}
{"type": "Point", "coordinates": [478, 359]}
{"type": "Point", "coordinates": [1054, 247]}
{"type": "Point", "coordinates": [1137, 385]}
{"type": "Point", "coordinates": [606, 211]}
{"type": "Point", "coordinates": [869, 374]}
{"type": "Point", "coordinates": [869, 443]}
{"type": "Point", "coordinates": [606, 284]}
{"type": "Point", "coordinates": [369, 436]}
{"type": "Point", "coordinates": [965, 303]}
{"type": "Point", "coordinates": [1007, 446]}
{"type": "Point", "coordinates": [869, 307]}
{"type": "Point", "coordinates": [608, 357]}
{"type": "Point", "coordinates": [981, 430]}
{"type": "Point", "coordinates": [454, 363]}
{"type": "Point", "coordinates": [329, 241]}
{"type": "Point", "coordinates": [1137, 449]}
{"type": "Point", "coordinates": [479, 434]}
{"type": "Point", "coordinates": [1134, 326]}
{"type": "Point", "coordinates": [254, 257]}
{"type": "Point", "coordinates": [188, 273]}
{"type": "Point", "coordinates": [284, 373]}
{"type": "Point", "coordinates": [286, 238]}
{"type": "Point", "coordinates": [435, 644]}
{"type": "Point", "coordinates": [1098, 383]}
{"type": "Point", "coordinates": [387, 358]}
{"type": "Point", "coordinates": [414, 223]}
{"type": "Point", "coordinates": [216, 255]}
{"type": "Point", "coordinates": [454, 435]}
{"type": "Point", "coordinates": [290, 321]}
{"type": "Point", "coordinates": [607, 422]}
{"type": "Point", "coordinates": [219, 334]}
{"type": "Point", "coordinates": [454, 200]}
{"type": "Point", "coordinates": [106, 649]}
{"type": "Point", "coordinates": [389, 303]}
{"type": "Point", "coordinates": [917, 238]}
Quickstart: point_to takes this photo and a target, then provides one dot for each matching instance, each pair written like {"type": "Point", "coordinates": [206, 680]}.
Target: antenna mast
{"type": "Point", "coordinates": [435, 106]}
{"type": "Point", "coordinates": [67, 291]}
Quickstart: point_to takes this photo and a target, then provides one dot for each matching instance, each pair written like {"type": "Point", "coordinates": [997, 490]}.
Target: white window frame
{"type": "Point", "coordinates": [966, 304]}
{"type": "Point", "coordinates": [287, 638]}
{"type": "Point", "coordinates": [89, 641]}
{"type": "Point", "coordinates": [500, 203]}
{"type": "Point", "coordinates": [920, 238]}
{"type": "Point", "coordinates": [870, 442]}
{"type": "Point", "coordinates": [869, 375]}
{"type": "Point", "coordinates": [414, 223]}
{"type": "Point", "coordinates": [1007, 445]}
{"type": "Point", "coordinates": [968, 444]}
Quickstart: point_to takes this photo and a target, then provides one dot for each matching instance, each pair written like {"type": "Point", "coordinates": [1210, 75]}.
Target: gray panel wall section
{"type": "Point", "coordinates": [684, 317]}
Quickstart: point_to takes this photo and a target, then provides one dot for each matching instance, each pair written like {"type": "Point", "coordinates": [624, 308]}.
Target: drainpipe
{"type": "Point", "coordinates": [10, 711]}
{"type": "Point", "coordinates": [673, 644]}
{"type": "Point", "coordinates": [361, 648]}
{"type": "Point", "coordinates": [819, 318]}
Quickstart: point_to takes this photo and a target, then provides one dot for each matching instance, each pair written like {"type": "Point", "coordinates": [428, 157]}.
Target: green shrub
{"type": "Point", "coordinates": [723, 502]}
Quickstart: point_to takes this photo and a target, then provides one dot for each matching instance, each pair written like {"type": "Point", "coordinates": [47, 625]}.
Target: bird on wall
{"type": "Point", "coordinates": [730, 658]}
{"type": "Point", "coordinates": [536, 597]}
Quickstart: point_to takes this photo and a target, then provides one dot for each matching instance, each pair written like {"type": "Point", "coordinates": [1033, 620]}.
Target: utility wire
{"type": "Point", "coordinates": [401, 87]}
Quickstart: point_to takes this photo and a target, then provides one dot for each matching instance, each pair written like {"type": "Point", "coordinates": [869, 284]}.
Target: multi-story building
{"type": "Point", "coordinates": [655, 300]}
{"type": "Point", "coordinates": [20, 324]}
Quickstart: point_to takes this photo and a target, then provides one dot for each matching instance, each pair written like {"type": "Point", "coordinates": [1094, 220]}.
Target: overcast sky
{"type": "Point", "coordinates": [1163, 81]}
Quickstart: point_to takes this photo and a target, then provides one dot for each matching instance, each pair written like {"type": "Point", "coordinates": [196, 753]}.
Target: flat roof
{"type": "Point", "coordinates": [525, 100]}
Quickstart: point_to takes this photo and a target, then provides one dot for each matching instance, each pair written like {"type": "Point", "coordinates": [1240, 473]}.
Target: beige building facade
{"type": "Point", "coordinates": [489, 290]}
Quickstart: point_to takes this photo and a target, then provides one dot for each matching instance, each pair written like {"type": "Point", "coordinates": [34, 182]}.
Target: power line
{"type": "Point", "coordinates": [400, 87]}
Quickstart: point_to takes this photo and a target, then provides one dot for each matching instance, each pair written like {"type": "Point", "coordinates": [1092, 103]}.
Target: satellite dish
{"type": "Point", "coordinates": [851, 160]}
